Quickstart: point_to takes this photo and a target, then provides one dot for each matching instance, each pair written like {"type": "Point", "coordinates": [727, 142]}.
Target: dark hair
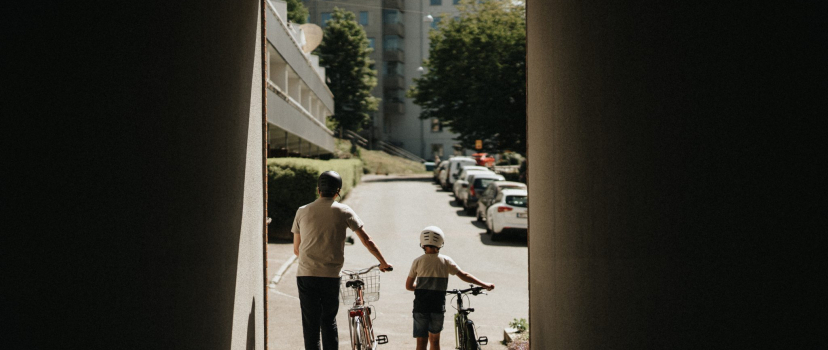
{"type": "Point", "coordinates": [329, 183]}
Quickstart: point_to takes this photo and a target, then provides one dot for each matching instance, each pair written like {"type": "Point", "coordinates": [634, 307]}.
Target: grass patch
{"type": "Point", "coordinates": [379, 162]}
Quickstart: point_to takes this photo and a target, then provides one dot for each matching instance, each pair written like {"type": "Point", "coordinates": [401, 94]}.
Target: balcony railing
{"type": "Point", "coordinates": [393, 81]}
{"type": "Point", "coordinates": [393, 55]}
{"type": "Point", "coordinates": [393, 107]}
{"type": "Point", "coordinates": [393, 29]}
{"type": "Point", "coordinates": [394, 4]}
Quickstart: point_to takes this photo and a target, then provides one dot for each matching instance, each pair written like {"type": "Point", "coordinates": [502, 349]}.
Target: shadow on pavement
{"type": "Point", "coordinates": [454, 204]}
{"type": "Point", "coordinates": [510, 240]}
{"type": "Point", "coordinates": [462, 212]}
{"type": "Point", "coordinates": [399, 179]}
{"type": "Point", "coordinates": [479, 224]}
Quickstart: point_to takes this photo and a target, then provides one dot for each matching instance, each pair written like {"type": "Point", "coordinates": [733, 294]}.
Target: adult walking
{"type": "Point", "coordinates": [319, 242]}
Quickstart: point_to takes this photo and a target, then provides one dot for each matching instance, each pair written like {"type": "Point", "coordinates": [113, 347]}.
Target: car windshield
{"type": "Point", "coordinates": [482, 183]}
{"type": "Point", "coordinates": [517, 201]}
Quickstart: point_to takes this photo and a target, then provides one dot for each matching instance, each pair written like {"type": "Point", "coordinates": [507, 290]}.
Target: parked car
{"type": "Point", "coordinates": [438, 168]}
{"type": "Point", "coordinates": [487, 197]}
{"type": "Point", "coordinates": [477, 184]}
{"type": "Point", "coordinates": [463, 174]}
{"type": "Point", "coordinates": [454, 167]}
{"type": "Point", "coordinates": [508, 212]}
{"type": "Point", "coordinates": [484, 159]}
{"type": "Point", "coordinates": [463, 182]}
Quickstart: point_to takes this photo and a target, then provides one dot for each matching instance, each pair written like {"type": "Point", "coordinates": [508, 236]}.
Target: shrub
{"type": "Point", "coordinates": [291, 183]}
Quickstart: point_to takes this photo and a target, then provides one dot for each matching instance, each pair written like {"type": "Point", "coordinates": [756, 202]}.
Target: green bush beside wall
{"type": "Point", "coordinates": [291, 183]}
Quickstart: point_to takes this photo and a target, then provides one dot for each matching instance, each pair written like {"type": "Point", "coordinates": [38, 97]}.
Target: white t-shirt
{"type": "Point", "coordinates": [321, 227]}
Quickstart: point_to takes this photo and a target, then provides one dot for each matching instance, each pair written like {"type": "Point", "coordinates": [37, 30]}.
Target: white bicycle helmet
{"type": "Point", "coordinates": [432, 235]}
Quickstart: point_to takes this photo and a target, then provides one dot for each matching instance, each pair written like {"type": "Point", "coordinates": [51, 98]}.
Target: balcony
{"type": "Point", "coordinates": [394, 4]}
{"type": "Point", "coordinates": [393, 55]}
{"type": "Point", "coordinates": [393, 29]}
{"type": "Point", "coordinates": [393, 82]}
{"type": "Point", "coordinates": [394, 108]}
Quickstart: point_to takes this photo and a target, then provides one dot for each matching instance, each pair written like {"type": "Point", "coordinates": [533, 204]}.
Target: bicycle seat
{"type": "Point", "coordinates": [357, 283]}
{"type": "Point", "coordinates": [470, 309]}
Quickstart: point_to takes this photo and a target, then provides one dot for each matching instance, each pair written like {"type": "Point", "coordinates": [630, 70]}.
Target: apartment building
{"type": "Point", "coordinates": [298, 98]}
{"type": "Point", "coordinates": [398, 32]}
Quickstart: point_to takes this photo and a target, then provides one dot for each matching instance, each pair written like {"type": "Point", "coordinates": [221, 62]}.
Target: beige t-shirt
{"type": "Point", "coordinates": [431, 272]}
{"type": "Point", "coordinates": [321, 227]}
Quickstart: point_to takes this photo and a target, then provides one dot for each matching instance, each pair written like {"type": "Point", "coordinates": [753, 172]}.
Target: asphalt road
{"type": "Point", "coordinates": [394, 210]}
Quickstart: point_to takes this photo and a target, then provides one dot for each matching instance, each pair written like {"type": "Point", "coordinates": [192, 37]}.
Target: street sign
{"type": "Point", "coordinates": [478, 144]}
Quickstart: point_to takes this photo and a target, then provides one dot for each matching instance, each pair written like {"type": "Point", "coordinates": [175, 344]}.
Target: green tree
{"type": "Point", "coordinates": [344, 54]}
{"type": "Point", "coordinates": [475, 78]}
{"type": "Point", "coordinates": [297, 12]}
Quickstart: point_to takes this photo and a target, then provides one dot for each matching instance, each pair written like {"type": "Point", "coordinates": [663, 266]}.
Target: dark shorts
{"type": "Point", "coordinates": [427, 322]}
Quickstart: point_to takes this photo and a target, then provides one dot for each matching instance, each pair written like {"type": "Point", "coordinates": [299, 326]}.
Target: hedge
{"type": "Point", "coordinates": [291, 183]}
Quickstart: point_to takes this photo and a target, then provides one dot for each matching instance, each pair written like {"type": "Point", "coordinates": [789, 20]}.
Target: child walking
{"type": "Point", "coordinates": [428, 280]}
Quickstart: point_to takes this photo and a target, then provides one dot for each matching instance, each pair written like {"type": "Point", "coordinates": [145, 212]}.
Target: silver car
{"type": "Point", "coordinates": [477, 183]}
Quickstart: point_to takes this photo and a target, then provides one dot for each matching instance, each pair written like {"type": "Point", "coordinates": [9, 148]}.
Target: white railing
{"type": "Point", "coordinates": [296, 43]}
{"type": "Point", "coordinates": [278, 91]}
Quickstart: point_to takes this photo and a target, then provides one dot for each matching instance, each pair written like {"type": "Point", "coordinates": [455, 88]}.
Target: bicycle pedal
{"type": "Point", "coordinates": [382, 339]}
{"type": "Point", "coordinates": [483, 340]}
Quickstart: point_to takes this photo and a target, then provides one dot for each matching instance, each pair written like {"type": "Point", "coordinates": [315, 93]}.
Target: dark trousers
{"type": "Point", "coordinates": [319, 299]}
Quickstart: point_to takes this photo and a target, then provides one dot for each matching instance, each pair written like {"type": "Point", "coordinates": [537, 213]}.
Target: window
{"type": "Point", "coordinates": [371, 42]}
{"type": "Point", "coordinates": [324, 17]}
{"type": "Point", "coordinates": [392, 43]}
{"type": "Point", "coordinates": [517, 201]}
{"type": "Point", "coordinates": [363, 18]}
{"type": "Point", "coordinates": [456, 2]}
{"type": "Point", "coordinates": [436, 2]}
{"type": "Point", "coordinates": [393, 68]}
{"type": "Point", "coordinates": [436, 126]}
{"type": "Point", "coordinates": [437, 149]}
{"type": "Point", "coordinates": [396, 95]}
{"type": "Point", "coordinates": [435, 22]}
{"type": "Point", "coordinates": [391, 16]}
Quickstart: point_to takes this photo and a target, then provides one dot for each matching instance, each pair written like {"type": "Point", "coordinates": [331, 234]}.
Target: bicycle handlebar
{"type": "Point", "coordinates": [365, 270]}
{"type": "Point", "coordinates": [473, 290]}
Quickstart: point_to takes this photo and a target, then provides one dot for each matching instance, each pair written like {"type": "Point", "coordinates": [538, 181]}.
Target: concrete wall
{"type": "Point", "coordinates": [672, 164]}
{"type": "Point", "coordinates": [138, 180]}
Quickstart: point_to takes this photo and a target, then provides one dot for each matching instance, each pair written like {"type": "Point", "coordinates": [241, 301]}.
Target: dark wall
{"type": "Point", "coordinates": [674, 154]}
{"type": "Point", "coordinates": [126, 171]}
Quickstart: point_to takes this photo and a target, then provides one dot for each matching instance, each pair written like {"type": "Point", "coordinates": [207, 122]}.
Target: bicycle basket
{"type": "Point", "coordinates": [370, 291]}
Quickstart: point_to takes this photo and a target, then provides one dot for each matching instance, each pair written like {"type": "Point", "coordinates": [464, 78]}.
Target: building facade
{"type": "Point", "coordinates": [398, 32]}
{"type": "Point", "coordinates": [298, 98]}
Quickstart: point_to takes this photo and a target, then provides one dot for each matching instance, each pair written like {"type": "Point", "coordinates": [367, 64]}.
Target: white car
{"type": "Point", "coordinates": [461, 179]}
{"type": "Point", "coordinates": [455, 165]}
{"type": "Point", "coordinates": [486, 198]}
{"type": "Point", "coordinates": [508, 211]}
{"type": "Point", "coordinates": [477, 183]}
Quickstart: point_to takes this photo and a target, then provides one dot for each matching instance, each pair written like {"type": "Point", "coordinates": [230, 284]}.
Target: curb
{"type": "Point", "coordinates": [281, 271]}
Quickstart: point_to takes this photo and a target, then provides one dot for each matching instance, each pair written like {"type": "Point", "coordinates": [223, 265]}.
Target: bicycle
{"type": "Point", "coordinates": [465, 334]}
{"type": "Point", "coordinates": [363, 286]}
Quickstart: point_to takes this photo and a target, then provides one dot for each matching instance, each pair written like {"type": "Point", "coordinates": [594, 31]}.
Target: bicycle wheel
{"type": "Point", "coordinates": [370, 342]}
{"type": "Point", "coordinates": [471, 336]}
{"type": "Point", "coordinates": [356, 333]}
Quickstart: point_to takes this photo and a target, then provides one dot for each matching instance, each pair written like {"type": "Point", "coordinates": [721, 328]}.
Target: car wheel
{"type": "Point", "coordinates": [497, 236]}
{"type": "Point", "coordinates": [469, 210]}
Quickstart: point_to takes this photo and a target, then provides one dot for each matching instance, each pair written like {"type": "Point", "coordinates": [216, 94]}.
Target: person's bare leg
{"type": "Point", "coordinates": [434, 340]}
{"type": "Point", "coordinates": [422, 342]}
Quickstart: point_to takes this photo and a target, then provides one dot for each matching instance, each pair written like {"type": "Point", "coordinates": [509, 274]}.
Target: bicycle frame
{"type": "Point", "coordinates": [360, 323]}
{"type": "Point", "coordinates": [464, 330]}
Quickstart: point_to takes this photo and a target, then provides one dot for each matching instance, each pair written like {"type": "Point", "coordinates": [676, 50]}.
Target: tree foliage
{"type": "Point", "coordinates": [475, 78]}
{"type": "Point", "coordinates": [344, 54]}
{"type": "Point", "coordinates": [297, 12]}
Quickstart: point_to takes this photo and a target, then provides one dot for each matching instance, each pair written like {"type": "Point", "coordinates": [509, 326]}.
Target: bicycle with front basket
{"type": "Point", "coordinates": [465, 334]}
{"type": "Point", "coordinates": [363, 286]}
